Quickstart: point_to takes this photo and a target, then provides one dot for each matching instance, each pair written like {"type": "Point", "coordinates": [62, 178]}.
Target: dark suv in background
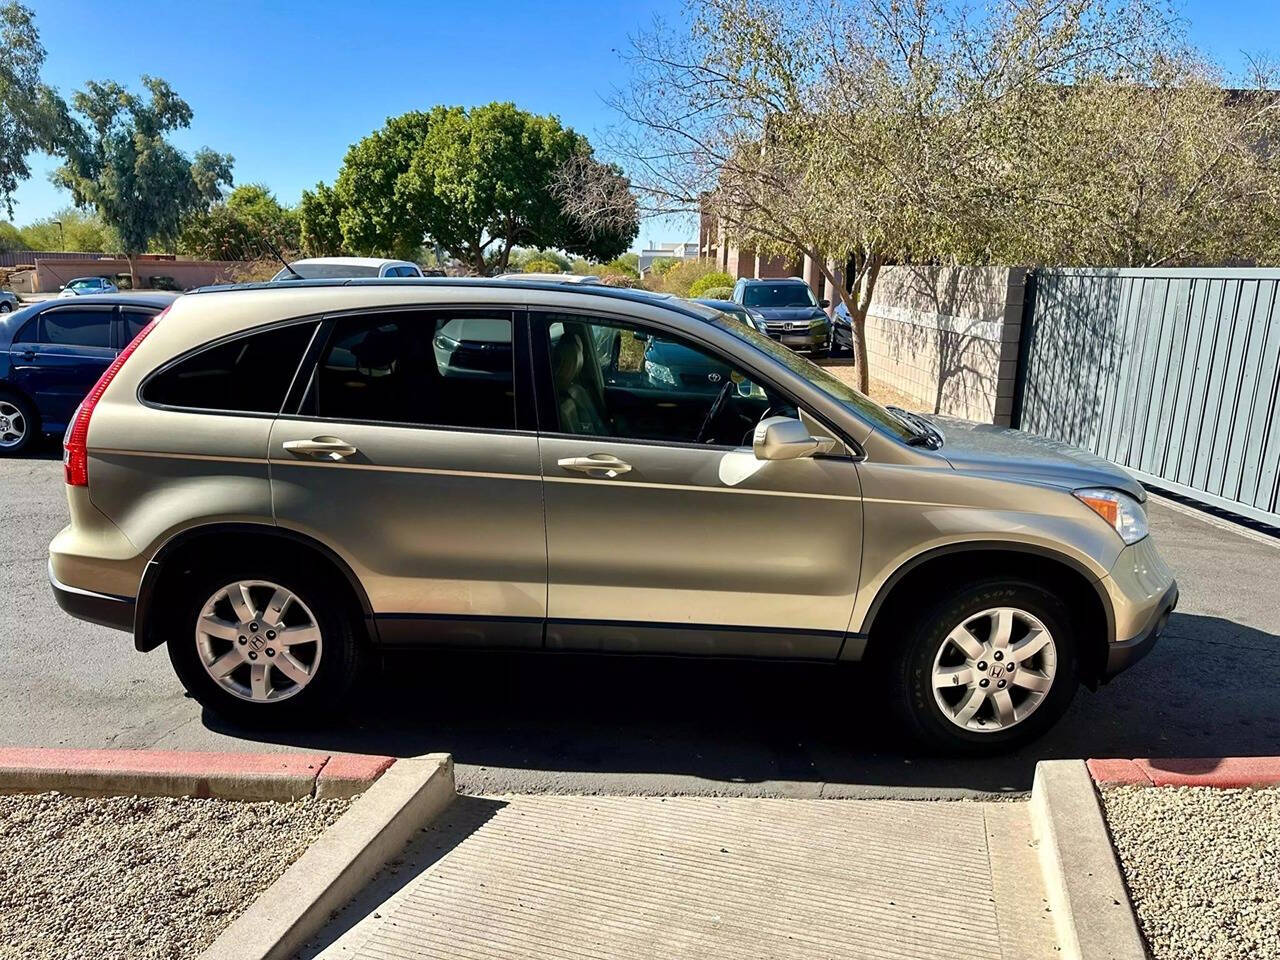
{"type": "Point", "coordinates": [52, 353]}
{"type": "Point", "coordinates": [792, 315]}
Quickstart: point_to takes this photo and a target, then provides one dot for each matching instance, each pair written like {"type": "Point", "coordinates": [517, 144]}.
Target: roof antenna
{"type": "Point", "coordinates": [272, 247]}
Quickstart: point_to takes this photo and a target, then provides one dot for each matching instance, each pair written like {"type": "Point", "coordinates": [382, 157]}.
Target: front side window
{"type": "Point", "coordinates": [427, 369]}
{"type": "Point", "coordinates": [612, 379]}
{"type": "Point", "coordinates": [76, 328]}
{"type": "Point", "coordinates": [778, 295]}
{"type": "Point", "coordinates": [134, 321]}
{"type": "Point", "coordinates": [249, 374]}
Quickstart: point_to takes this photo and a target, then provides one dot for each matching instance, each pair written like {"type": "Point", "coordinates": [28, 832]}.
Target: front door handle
{"type": "Point", "coordinates": [329, 448]}
{"type": "Point", "coordinates": [28, 355]}
{"type": "Point", "coordinates": [596, 465]}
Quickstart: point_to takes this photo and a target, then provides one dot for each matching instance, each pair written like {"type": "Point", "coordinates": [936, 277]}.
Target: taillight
{"type": "Point", "coordinates": [75, 445]}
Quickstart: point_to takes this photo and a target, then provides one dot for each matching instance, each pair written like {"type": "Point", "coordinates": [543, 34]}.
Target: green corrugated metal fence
{"type": "Point", "coordinates": [1172, 374]}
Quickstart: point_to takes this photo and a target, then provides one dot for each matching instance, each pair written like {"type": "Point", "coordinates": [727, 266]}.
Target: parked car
{"type": "Point", "coordinates": [83, 286]}
{"type": "Point", "coordinates": [736, 310]}
{"type": "Point", "coordinates": [336, 268]}
{"type": "Point", "coordinates": [276, 481]}
{"type": "Point", "coordinates": [8, 301]}
{"type": "Point", "coordinates": [842, 331]}
{"type": "Point", "coordinates": [792, 315]}
{"type": "Point", "coordinates": [52, 353]}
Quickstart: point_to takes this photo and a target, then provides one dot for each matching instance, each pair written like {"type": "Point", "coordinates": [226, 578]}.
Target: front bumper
{"type": "Point", "coordinates": [1125, 653]}
{"type": "Point", "coordinates": [101, 608]}
{"type": "Point", "coordinates": [1143, 594]}
{"type": "Point", "coordinates": [807, 340]}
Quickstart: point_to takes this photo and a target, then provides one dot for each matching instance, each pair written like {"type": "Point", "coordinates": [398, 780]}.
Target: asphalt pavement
{"type": "Point", "coordinates": [557, 723]}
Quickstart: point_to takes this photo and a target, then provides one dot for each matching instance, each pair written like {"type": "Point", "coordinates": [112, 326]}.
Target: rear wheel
{"type": "Point", "coordinates": [19, 424]}
{"type": "Point", "coordinates": [987, 669]}
{"type": "Point", "coordinates": [264, 646]}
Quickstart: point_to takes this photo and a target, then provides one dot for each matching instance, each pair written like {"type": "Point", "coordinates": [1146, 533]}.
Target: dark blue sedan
{"type": "Point", "coordinates": [52, 353]}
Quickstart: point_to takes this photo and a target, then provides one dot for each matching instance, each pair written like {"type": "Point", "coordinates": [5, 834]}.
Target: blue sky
{"type": "Point", "coordinates": [285, 87]}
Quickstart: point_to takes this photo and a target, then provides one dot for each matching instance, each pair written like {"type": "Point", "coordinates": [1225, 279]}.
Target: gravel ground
{"type": "Point", "coordinates": [139, 877]}
{"type": "Point", "coordinates": [1203, 867]}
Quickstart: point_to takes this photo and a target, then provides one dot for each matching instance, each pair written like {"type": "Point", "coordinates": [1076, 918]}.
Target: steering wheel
{"type": "Point", "coordinates": [721, 398]}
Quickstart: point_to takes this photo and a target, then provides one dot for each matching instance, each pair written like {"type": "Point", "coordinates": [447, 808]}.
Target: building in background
{"type": "Point", "coordinates": [672, 251]}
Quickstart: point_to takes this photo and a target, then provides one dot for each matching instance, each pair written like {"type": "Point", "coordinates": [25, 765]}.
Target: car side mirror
{"type": "Point", "coordinates": [824, 304]}
{"type": "Point", "coordinates": [784, 438]}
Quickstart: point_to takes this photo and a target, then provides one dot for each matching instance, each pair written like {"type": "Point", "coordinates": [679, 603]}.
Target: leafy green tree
{"type": "Point", "coordinates": [716, 278]}
{"type": "Point", "coordinates": [477, 182]}
{"type": "Point", "coordinates": [243, 227]}
{"type": "Point", "coordinates": [319, 222]}
{"type": "Point", "coordinates": [121, 164]}
{"type": "Point", "coordinates": [71, 229]}
{"type": "Point", "coordinates": [377, 214]}
{"type": "Point", "coordinates": [11, 237]}
{"type": "Point", "coordinates": [32, 116]}
{"type": "Point", "coordinates": [659, 266]}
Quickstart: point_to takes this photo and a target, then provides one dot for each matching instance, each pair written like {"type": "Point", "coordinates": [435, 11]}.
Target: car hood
{"type": "Point", "coordinates": [790, 313]}
{"type": "Point", "coordinates": [984, 448]}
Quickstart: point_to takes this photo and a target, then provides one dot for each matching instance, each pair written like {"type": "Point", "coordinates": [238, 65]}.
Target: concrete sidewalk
{"type": "Point", "coordinates": [640, 877]}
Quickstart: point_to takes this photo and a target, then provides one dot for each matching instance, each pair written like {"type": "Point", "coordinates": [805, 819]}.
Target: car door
{"type": "Point", "coordinates": [59, 355]}
{"type": "Point", "coordinates": [413, 454]}
{"type": "Point", "coordinates": [664, 532]}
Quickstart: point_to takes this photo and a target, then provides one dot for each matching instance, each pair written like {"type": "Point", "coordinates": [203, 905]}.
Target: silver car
{"type": "Point", "coordinates": [274, 482]}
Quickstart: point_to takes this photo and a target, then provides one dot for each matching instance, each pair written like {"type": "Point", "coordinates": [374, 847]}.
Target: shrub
{"type": "Point", "coordinates": [681, 277]}
{"type": "Point", "coordinates": [618, 280]}
{"type": "Point", "coordinates": [715, 293]}
{"type": "Point", "coordinates": [542, 265]}
{"type": "Point", "coordinates": [715, 279]}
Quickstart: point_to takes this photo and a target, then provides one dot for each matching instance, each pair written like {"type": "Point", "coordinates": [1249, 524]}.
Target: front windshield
{"type": "Point", "coordinates": [778, 295]}
{"type": "Point", "coordinates": [81, 284]}
{"type": "Point", "coordinates": [857, 403]}
{"type": "Point", "coordinates": [326, 271]}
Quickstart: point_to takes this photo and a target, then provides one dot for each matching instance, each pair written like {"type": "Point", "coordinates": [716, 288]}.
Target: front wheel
{"type": "Point", "coordinates": [19, 424]}
{"type": "Point", "coordinates": [265, 646]}
{"type": "Point", "coordinates": [987, 669]}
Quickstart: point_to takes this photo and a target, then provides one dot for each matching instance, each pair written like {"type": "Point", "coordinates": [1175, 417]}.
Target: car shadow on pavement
{"type": "Point", "coordinates": [625, 724]}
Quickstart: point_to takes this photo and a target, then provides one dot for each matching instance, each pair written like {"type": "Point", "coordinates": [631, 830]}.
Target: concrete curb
{"type": "Point", "coordinates": [345, 857]}
{"type": "Point", "coordinates": [1092, 915]}
{"type": "Point", "coordinates": [1221, 772]}
{"type": "Point", "coordinates": [167, 773]}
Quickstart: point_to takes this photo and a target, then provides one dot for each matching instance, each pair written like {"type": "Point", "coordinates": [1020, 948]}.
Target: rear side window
{"type": "Point", "coordinates": [76, 328]}
{"type": "Point", "coordinates": [246, 375]}
{"type": "Point", "coordinates": [435, 369]}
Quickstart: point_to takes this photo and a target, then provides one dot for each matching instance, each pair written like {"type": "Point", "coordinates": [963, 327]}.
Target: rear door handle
{"type": "Point", "coordinates": [596, 465]}
{"type": "Point", "coordinates": [28, 355]}
{"type": "Point", "coordinates": [328, 448]}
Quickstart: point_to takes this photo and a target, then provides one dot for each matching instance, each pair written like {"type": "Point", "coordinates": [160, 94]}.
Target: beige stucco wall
{"type": "Point", "coordinates": [947, 337]}
{"type": "Point", "coordinates": [51, 274]}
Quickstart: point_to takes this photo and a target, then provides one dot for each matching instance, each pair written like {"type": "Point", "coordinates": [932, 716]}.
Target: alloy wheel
{"type": "Point", "coordinates": [994, 669]}
{"type": "Point", "coordinates": [258, 641]}
{"type": "Point", "coordinates": [13, 425]}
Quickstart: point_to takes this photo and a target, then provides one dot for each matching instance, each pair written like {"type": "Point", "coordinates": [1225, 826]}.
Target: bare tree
{"type": "Point", "coordinates": [867, 132]}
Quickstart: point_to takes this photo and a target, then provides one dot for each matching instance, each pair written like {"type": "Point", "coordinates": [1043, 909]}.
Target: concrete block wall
{"type": "Point", "coordinates": [947, 337]}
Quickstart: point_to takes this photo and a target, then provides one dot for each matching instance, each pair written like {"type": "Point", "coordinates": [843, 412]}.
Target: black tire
{"type": "Point", "coordinates": [343, 648]}
{"type": "Point", "coordinates": [5, 306]}
{"type": "Point", "coordinates": [29, 414]}
{"type": "Point", "coordinates": [910, 665]}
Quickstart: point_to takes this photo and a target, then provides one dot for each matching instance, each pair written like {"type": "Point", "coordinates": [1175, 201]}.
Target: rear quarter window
{"type": "Point", "coordinates": [249, 374]}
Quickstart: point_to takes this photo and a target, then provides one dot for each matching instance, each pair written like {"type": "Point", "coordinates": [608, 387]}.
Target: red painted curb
{"type": "Point", "coordinates": [1222, 772]}
{"type": "Point", "coordinates": [234, 776]}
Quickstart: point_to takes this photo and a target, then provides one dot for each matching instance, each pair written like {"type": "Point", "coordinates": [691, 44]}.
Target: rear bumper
{"type": "Point", "coordinates": [100, 608]}
{"type": "Point", "coordinates": [1125, 653]}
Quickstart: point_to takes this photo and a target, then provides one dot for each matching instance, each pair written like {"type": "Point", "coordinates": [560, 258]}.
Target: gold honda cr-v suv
{"type": "Point", "coordinates": [274, 481]}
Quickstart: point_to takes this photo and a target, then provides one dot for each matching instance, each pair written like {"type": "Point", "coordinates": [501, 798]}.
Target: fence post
{"type": "Point", "coordinates": [1026, 331]}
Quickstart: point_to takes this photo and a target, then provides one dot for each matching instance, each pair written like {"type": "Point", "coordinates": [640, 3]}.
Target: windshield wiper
{"type": "Point", "coordinates": [923, 433]}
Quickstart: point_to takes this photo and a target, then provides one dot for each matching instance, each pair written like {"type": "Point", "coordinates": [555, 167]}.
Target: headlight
{"type": "Point", "coordinates": [818, 323]}
{"type": "Point", "coordinates": [1121, 512]}
{"type": "Point", "coordinates": [659, 374]}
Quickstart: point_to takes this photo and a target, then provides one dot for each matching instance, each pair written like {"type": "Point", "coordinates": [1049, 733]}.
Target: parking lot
{"type": "Point", "coordinates": [617, 725]}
